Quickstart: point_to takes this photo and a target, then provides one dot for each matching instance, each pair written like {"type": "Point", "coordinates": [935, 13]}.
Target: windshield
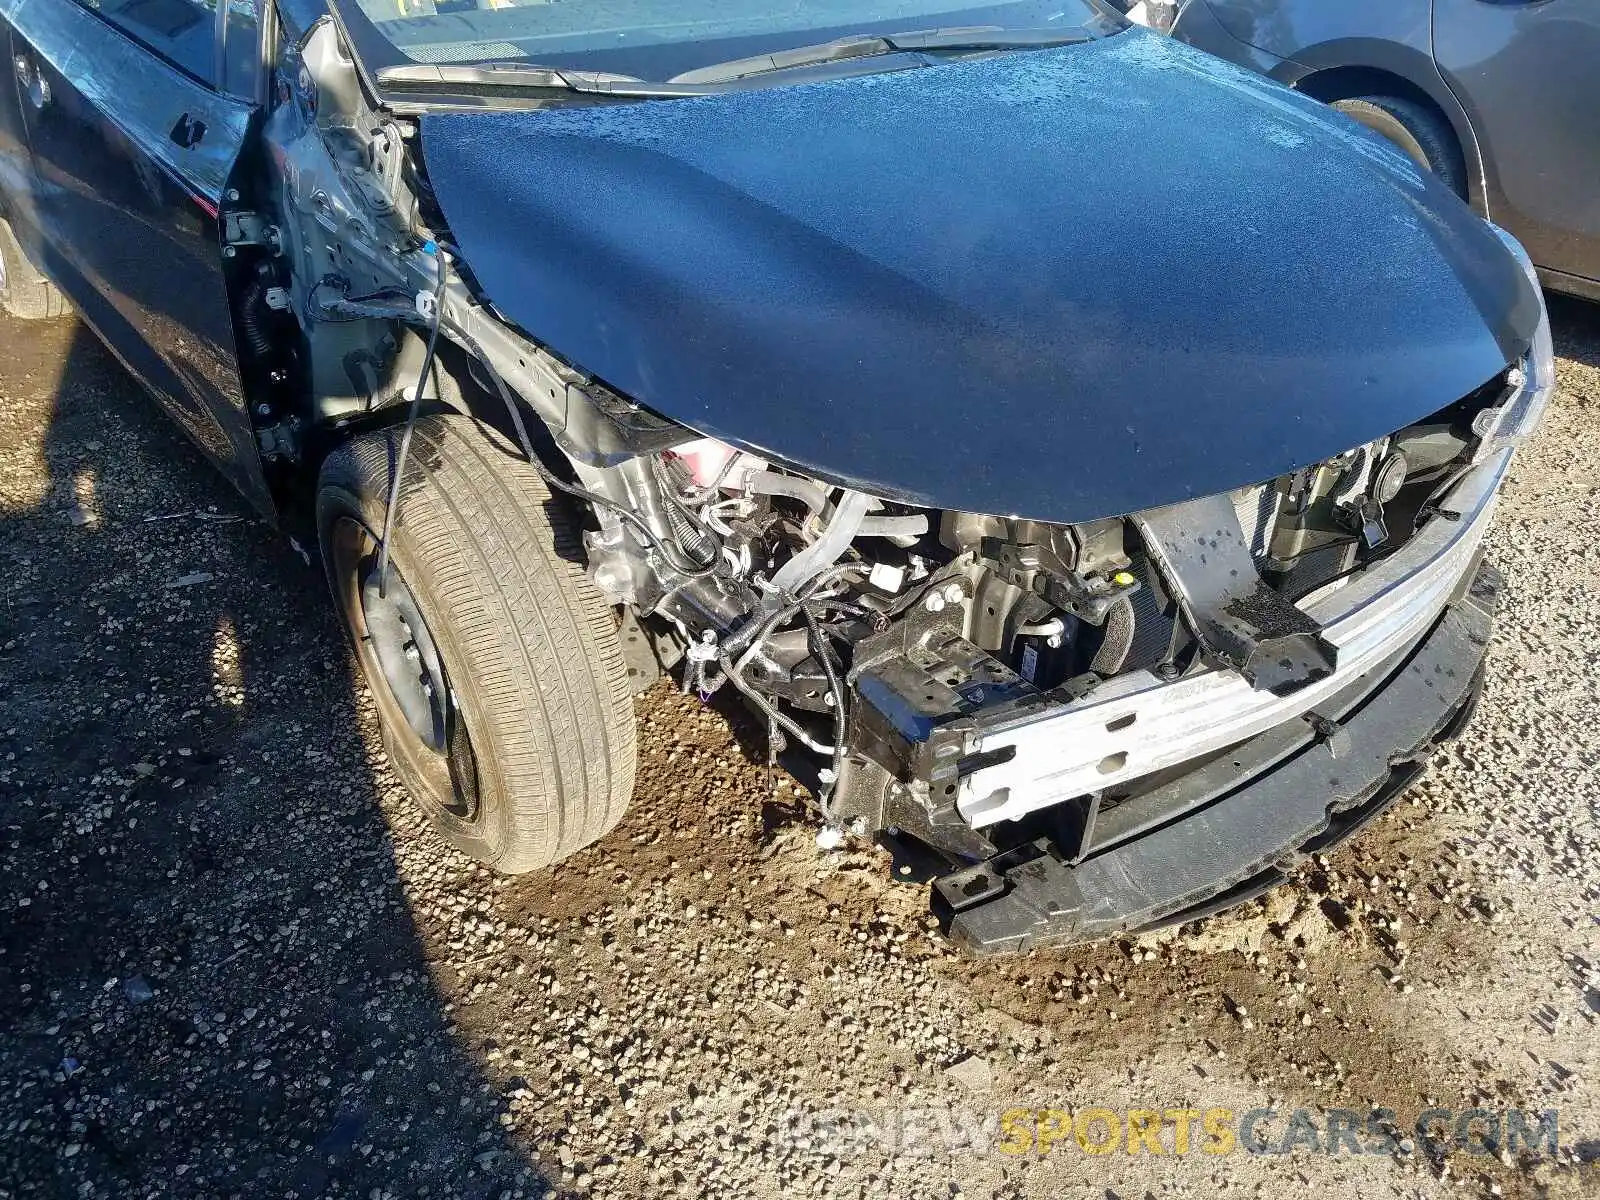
{"type": "Point", "coordinates": [658, 39]}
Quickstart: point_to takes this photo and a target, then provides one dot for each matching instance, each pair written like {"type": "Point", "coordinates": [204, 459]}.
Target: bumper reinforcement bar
{"type": "Point", "coordinates": [1244, 842]}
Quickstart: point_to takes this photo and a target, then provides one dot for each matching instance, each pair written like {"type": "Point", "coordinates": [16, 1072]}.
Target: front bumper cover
{"type": "Point", "coordinates": [1270, 801]}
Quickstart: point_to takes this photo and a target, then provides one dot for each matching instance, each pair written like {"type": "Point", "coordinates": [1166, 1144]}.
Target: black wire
{"type": "Point", "coordinates": [759, 629]}
{"type": "Point", "coordinates": [766, 706]}
{"type": "Point", "coordinates": [346, 309]}
{"type": "Point", "coordinates": [678, 512]}
{"type": "Point", "coordinates": [700, 495]}
{"type": "Point", "coordinates": [824, 653]}
{"type": "Point", "coordinates": [660, 545]}
{"type": "Point", "coordinates": [1431, 506]}
{"type": "Point", "coordinates": [794, 603]}
{"type": "Point", "coordinates": [392, 507]}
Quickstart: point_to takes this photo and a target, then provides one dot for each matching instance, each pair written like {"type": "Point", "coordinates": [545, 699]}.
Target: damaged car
{"type": "Point", "coordinates": [1091, 500]}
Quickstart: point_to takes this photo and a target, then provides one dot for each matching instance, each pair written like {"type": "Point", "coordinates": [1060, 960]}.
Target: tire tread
{"type": "Point", "coordinates": [503, 559]}
{"type": "Point", "coordinates": [27, 294]}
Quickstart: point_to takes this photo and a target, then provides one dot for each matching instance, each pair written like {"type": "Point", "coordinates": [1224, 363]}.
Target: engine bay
{"type": "Point", "coordinates": [872, 638]}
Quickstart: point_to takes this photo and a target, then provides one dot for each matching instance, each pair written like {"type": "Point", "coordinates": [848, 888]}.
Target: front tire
{"type": "Point", "coordinates": [24, 292]}
{"type": "Point", "coordinates": [494, 662]}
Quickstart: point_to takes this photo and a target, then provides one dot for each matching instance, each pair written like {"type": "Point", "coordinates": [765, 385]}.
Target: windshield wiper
{"type": "Point", "coordinates": [726, 76]}
{"type": "Point", "coordinates": [516, 75]}
{"type": "Point", "coordinates": [970, 38]}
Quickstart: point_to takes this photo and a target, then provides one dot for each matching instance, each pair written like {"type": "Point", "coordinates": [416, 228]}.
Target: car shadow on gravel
{"type": "Point", "coordinates": [212, 979]}
{"type": "Point", "coordinates": [1575, 325]}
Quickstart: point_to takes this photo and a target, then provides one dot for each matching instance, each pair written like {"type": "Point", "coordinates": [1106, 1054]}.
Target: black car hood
{"type": "Point", "coordinates": [1060, 284]}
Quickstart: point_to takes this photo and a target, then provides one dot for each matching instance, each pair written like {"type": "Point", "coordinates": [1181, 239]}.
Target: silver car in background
{"type": "Point", "coordinates": [1498, 97]}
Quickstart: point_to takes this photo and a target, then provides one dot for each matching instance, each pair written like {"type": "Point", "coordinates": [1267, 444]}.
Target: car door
{"type": "Point", "coordinates": [16, 168]}
{"type": "Point", "coordinates": [133, 144]}
{"type": "Point", "coordinates": [1528, 74]}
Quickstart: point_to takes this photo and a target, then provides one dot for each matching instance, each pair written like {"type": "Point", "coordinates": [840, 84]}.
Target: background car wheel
{"type": "Point", "coordinates": [494, 662]}
{"type": "Point", "coordinates": [1424, 135]}
{"type": "Point", "coordinates": [23, 291]}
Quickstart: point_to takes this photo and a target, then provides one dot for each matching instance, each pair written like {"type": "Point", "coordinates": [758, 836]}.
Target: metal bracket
{"type": "Point", "coordinates": [279, 441]}
{"type": "Point", "coordinates": [249, 229]}
{"type": "Point", "coordinates": [1239, 620]}
{"type": "Point", "coordinates": [1364, 516]}
{"type": "Point", "coordinates": [1087, 599]}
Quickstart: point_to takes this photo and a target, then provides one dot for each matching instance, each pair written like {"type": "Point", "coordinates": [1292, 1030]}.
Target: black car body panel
{"type": "Point", "coordinates": [1014, 285]}
{"type": "Point", "coordinates": [130, 157]}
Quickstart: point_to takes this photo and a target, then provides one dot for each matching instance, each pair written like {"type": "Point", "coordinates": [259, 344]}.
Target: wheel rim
{"type": "Point", "coordinates": [422, 720]}
{"type": "Point", "coordinates": [406, 656]}
{"type": "Point", "coordinates": [1397, 136]}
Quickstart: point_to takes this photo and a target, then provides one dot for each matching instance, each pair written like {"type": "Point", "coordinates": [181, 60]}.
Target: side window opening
{"type": "Point", "coordinates": [182, 31]}
{"type": "Point", "coordinates": [219, 46]}
{"type": "Point", "coordinates": [241, 48]}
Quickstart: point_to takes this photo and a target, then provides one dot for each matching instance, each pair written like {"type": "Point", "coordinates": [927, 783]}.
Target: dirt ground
{"type": "Point", "coordinates": [234, 962]}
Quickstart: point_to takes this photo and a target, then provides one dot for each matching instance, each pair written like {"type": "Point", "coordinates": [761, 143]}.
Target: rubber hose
{"type": "Point", "coordinates": [770, 483]}
{"type": "Point", "coordinates": [834, 540]}
{"type": "Point", "coordinates": [251, 304]}
{"type": "Point", "coordinates": [913, 526]}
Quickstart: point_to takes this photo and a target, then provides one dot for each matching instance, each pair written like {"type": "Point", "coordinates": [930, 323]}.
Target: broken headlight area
{"type": "Point", "coordinates": [977, 681]}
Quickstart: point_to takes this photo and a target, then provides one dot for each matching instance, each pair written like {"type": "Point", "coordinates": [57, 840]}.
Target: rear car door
{"type": "Point", "coordinates": [133, 139]}
{"type": "Point", "coordinates": [1528, 74]}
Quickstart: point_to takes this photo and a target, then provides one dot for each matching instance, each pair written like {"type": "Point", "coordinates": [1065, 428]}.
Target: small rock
{"type": "Point", "coordinates": [972, 1073]}
{"type": "Point", "coordinates": [191, 579]}
{"type": "Point", "coordinates": [830, 838]}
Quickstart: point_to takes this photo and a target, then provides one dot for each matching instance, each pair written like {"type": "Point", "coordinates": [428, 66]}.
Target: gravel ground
{"type": "Point", "coordinates": [234, 962]}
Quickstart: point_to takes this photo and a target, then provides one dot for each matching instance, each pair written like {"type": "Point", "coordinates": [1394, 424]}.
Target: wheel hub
{"type": "Point", "coordinates": [424, 727]}
{"type": "Point", "coordinates": [406, 654]}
